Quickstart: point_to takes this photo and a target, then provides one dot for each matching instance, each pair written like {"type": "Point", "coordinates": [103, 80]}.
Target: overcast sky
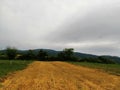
{"type": "Point", "coordinates": [89, 26]}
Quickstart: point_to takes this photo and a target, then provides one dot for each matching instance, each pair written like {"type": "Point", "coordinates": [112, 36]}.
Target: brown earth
{"type": "Point", "coordinates": [60, 76]}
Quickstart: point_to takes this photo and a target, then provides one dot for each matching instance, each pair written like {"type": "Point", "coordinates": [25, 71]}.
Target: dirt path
{"type": "Point", "coordinates": [60, 76]}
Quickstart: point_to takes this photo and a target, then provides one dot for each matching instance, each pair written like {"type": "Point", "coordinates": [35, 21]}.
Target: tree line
{"type": "Point", "coordinates": [66, 55]}
{"type": "Point", "coordinates": [12, 53]}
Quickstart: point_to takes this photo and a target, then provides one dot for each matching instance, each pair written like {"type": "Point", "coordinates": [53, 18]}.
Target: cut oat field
{"type": "Point", "coordinates": [60, 76]}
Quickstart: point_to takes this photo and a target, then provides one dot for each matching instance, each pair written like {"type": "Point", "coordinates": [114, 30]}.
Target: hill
{"type": "Point", "coordinates": [77, 54]}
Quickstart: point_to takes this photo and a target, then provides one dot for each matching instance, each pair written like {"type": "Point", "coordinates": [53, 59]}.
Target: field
{"type": "Point", "coordinates": [109, 68]}
{"type": "Point", "coordinates": [8, 66]}
{"type": "Point", "coordinates": [60, 76]}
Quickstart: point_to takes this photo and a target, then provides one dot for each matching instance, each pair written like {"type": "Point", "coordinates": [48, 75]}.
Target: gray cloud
{"type": "Point", "coordinates": [101, 25]}
{"type": "Point", "coordinates": [98, 25]}
{"type": "Point", "coordinates": [101, 50]}
{"type": "Point", "coordinates": [90, 26]}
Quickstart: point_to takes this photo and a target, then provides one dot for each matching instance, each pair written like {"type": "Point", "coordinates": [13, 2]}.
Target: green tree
{"type": "Point", "coordinates": [11, 52]}
{"type": "Point", "coordinates": [30, 55]}
{"type": "Point", "coordinates": [106, 60]}
{"type": "Point", "coordinates": [66, 54]}
{"type": "Point", "coordinates": [42, 55]}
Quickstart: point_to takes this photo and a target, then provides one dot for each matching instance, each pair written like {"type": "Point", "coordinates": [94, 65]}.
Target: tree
{"type": "Point", "coordinates": [11, 52]}
{"type": "Point", "coordinates": [42, 55]}
{"type": "Point", "coordinates": [106, 60]}
{"type": "Point", "coordinates": [29, 56]}
{"type": "Point", "coordinates": [66, 54]}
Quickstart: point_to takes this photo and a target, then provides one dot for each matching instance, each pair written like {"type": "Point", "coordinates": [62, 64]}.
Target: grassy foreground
{"type": "Point", "coordinates": [8, 66]}
{"type": "Point", "coordinates": [110, 68]}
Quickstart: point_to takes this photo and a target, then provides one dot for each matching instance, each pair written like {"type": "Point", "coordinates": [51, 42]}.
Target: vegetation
{"type": "Point", "coordinates": [29, 56]}
{"type": "Point", "coordinates": [110, 68]}
{"type": "Point", "coordinates": [67, 54]}
{"type": "Point", "coordinates": [99, 59]}
{"type": "Point", "coordinates": [11, 52]}
{"type": "Point", "coordinates": [42, 55]}
{"type": "Point", "coordinates": [6, 66]}
{"type": "Point", "coordinates": [14, 60]}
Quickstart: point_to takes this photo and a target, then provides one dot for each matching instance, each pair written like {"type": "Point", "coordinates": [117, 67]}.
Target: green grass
{"type": "Point", "coordinates": [109, 68]}
{"type": "Point", "coordinates": [8, 66]}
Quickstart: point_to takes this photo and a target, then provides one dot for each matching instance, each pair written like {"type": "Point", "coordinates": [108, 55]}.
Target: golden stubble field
{"type": "Point", "coordinates": [60, 76]}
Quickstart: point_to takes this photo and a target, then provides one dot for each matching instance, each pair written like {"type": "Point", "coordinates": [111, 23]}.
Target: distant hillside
{"type": "Point", "coordinates": [35, 51]}
{"type": "Point", "coordinates": [77, 54]}
{"type": "Point", "coordinates": [84, 55]}
{"type": "Point", "coordinates": [54, 53]}
{"type": "Point", "coordinates": [114, 58]}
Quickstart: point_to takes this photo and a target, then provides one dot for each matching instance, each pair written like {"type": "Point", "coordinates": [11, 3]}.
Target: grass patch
{"type": "Point", "coordinates": [109, 68]}
{"type": "Point", "coordinates": [8, 66]}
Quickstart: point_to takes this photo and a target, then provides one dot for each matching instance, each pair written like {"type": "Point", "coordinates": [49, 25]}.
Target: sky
{"type": "Point", "coordinates": [88, 26]}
